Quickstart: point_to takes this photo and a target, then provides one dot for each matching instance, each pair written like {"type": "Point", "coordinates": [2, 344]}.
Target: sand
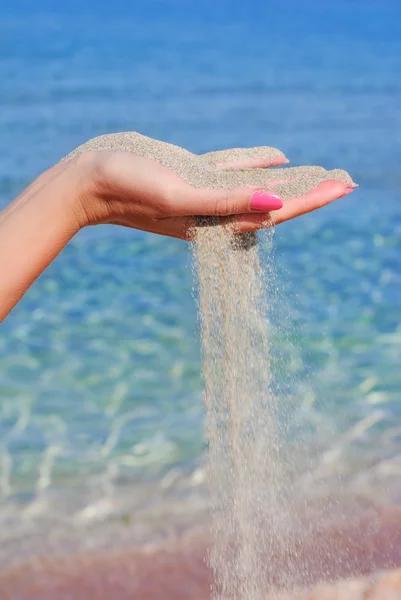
{"type": "Point", "coordinates": [176, 570]}
{"type": "Point", "coordinates": [241, 466]}
{"type": "Point", "coordinates": [251, 520]}
{"type": "Point", "coordinates": [200, 170]}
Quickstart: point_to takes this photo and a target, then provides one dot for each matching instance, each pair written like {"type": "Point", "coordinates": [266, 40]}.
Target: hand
{"type": "Point", "coordinates": [135, 191]}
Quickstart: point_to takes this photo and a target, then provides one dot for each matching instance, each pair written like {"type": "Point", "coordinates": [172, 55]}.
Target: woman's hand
{"type": "Point", "coordinates": [136, 191]}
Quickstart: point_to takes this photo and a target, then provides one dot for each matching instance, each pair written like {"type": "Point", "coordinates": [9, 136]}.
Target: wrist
{"type": "Point", "coordinates": [89, 200]}
{"type": "Point", "coordinates": [77, 184]}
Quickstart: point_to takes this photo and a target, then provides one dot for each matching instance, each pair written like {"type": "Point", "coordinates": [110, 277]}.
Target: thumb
{"type": "Point", "coordinates": [224, 202]}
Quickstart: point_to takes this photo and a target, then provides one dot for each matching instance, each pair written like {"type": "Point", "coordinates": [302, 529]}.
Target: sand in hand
{"type": "Point", "coordinates": [200, 171]}
{"type": "Point", "coordinates": [252, 520]}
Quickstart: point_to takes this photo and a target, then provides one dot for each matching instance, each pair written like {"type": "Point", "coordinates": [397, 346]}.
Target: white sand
{"type": "Point", "coordinates": [250, 518]}
{"type": "Point", "coordinates": [200, 172]}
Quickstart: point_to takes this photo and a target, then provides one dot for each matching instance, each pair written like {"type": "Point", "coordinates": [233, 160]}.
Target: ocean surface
{"type": "Point", "coordinates": [101, 396]}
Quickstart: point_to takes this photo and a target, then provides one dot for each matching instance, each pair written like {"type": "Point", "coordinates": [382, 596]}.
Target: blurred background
{"type": "Point", "coordinates": [101, 398]}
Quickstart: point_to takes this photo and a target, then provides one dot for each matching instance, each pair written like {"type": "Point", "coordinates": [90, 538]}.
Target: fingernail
{"type": "Point", "coordinates": [265, 202]}
{"type": "Point", "coordinates": [349, 189]}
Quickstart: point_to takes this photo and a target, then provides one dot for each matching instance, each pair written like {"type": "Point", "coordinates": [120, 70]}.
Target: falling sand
{"type": "Point", "coordinates": [250, 518]}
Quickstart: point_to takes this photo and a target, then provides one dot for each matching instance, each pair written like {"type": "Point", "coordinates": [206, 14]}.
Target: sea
{"type": "Point", "coordinates": [101, 395]}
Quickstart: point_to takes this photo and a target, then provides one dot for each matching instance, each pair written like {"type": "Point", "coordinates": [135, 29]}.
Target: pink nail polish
{"type": "Point", "coordinates": [265, 202]}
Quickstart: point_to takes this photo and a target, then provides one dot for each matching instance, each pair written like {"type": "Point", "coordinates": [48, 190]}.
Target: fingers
{"type": "Point", "coordinates": [224, 202]}
{"type": "Point", "coordinates": [245, 158]}
{"type": "Point", "coordinates": [320, 196]}
{"type": "Point", "coordinates": [323, 194]}
{"type": "Point", "coordinates": [246, 191]}
{"type": "Point", "coordinates": [183, 227]}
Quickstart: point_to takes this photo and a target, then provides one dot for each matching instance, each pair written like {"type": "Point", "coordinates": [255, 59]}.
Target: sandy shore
{"type": "Point", "coordinates": [357, 559]}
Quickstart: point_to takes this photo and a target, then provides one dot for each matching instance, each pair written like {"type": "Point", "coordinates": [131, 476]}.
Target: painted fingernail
{"type": "Point", "coordinates": [265, 202]}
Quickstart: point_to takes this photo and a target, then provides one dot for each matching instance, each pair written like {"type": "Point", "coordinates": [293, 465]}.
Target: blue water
{"type": "Point", "coordinates": [100, 381]}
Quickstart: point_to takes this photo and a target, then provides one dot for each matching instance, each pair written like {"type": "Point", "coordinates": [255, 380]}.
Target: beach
{"type": "Point", "coordinates": [176, 569]}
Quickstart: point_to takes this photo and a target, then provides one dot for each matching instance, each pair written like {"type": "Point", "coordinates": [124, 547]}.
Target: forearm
{"type": "Point", "coordinates": [34, 229]}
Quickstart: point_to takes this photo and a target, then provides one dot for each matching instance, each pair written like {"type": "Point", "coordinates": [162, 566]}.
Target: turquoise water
{"type": "Point", "coordinates": [100, 387]}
